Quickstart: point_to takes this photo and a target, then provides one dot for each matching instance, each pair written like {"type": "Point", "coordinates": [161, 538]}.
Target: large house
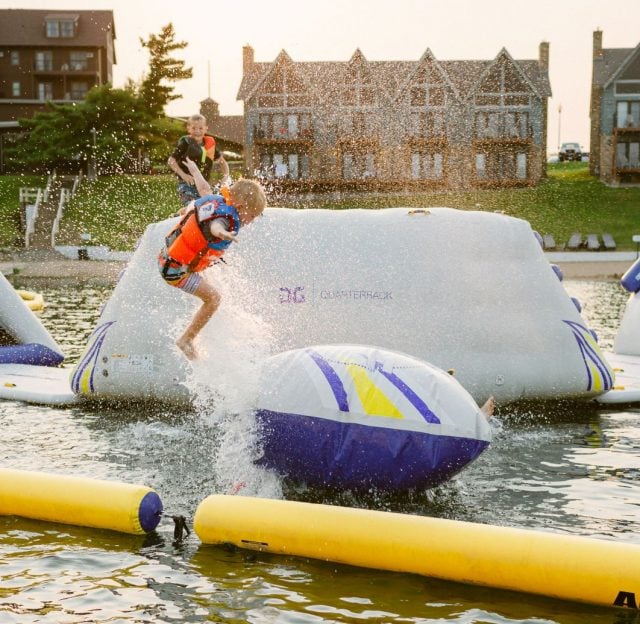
{"type": "Point", "coordinates": [615, 114]}
{"type": "Point", "coordinates": [397, 124]}
{"type": "Point", "coordinates": [52, 56]}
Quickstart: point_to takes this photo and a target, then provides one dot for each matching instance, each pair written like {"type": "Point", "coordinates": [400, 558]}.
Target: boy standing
{"type": "Point", "coordinates": [208, 226]}
{"type": "Point", "coordinates": [201, 148]}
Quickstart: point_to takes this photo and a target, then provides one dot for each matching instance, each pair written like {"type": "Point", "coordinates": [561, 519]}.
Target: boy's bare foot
{"type": "Point", "coordinates": [488, 407]}
{"type": "Point", "coordinates": [188, 348]}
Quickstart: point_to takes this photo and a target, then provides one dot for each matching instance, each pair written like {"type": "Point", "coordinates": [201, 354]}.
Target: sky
{"type": "Point", "coordinates": [400, 30]}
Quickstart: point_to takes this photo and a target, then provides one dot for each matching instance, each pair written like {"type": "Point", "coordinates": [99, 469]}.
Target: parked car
{"type": "Point", "coordinates": [570, 151]}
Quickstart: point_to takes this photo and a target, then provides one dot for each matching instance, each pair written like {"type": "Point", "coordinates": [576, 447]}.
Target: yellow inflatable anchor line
{"type": "Point", "coordinates": [569, 567]}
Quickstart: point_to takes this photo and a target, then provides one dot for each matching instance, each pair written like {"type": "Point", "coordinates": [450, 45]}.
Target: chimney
{"type": "Point", "coordinates": [597, 44]}
{"type": "Point", "coordinates": [543, 55]}
{"type": "Point", "coordinates": [247, 58]}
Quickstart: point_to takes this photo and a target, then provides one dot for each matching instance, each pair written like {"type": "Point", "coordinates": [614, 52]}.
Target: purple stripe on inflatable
{"type": "Point", "coordinates": [589, 353]}
{"type": "Point", "coordinates": [334, 381]}
{"type": "Point", "coordinates": [150, 511]}
{"type": "Point", "coordinates": [90, 357]}
{"type": "Point", "coordinates": [324, 452]}
{"type": "Point", "coordinates": [413, 398]}
{"type": "Point", "coordinates": [31, 353]}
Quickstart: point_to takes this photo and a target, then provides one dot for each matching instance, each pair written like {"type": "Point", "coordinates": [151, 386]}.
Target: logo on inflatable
{"type": "Point", "coordinates": [292, 295]}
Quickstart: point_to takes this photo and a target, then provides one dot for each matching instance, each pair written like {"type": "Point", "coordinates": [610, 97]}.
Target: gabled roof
{"type": "Point", "coordinates": [427, 57]}
{"type": "Point", "coordinates": [283, 59]}
{"type": "Point", "coordinates": [503, 55]}
{"type": "Point", "coordinates": [25, 27]}
{"type": "Point", "coordinates": [614, 62]}
{"type": "Point", "coordinates": [392, 76]}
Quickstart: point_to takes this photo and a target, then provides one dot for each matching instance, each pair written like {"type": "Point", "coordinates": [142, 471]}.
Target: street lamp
{"type": "Point", "coordinates": [92, 173]}
{"type": "Point", "coordinates": [559, 124]}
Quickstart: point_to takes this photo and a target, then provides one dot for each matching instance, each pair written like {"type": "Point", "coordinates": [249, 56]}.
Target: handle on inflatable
{"type": "Point", "coordinates": [631, 279]}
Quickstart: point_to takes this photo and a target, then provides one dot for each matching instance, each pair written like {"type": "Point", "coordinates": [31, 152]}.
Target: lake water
{"type": "Point", "coordinates": [563, 468]}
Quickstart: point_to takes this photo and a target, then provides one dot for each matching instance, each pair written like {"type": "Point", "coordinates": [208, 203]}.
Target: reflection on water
{"type": "Point", "coordinates": [565, 468]}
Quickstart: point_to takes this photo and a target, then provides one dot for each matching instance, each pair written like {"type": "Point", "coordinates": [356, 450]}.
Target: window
{"type": "Point", "coordinates": [15, 89]}
{"type": "Point", "coordinates": [426, 166]}
{"type": "Point", "coordinates": [60, 28]}
{"type": "Point", "coordinates": [15, 57]}
{"type": "Point", "coordinates": [45, 91]}
{"type": "Point", "coordinates": [279, 127]}
{"type": "Point", "coordinates": [264, 130]}
{"type": "Point", "coordinates": [508, 124]}
{"type": "Point", "coordinates": [292, 126]}
{"type": "Point", "coordinates": [628, 114]}
{"type": "Point", "coordinates": [481, 166]}
{"type": "Point", "coordinates": [78, 61]}
{"type": "Point", "coordinates": [305, 166]}
{"type": "Point", "coordinates": [628, 155]}
{"type": "Point", "coordinates": [292, 165]}
{"type": "Point", "coordinates": [521, 166]}
{"type": "Point", "coordinates": [79, 90]}
{"type": "Point", "coordinates": [358, 165]}
{"type": "Point", "coordinates": [44, 61]}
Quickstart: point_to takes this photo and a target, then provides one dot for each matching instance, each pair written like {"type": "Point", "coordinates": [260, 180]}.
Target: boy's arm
{"type": "Point", "coordinates": [175, 167]}
{"type": "Point", "coordinates": [174, 163]}
{"type": "Point", "coordinates": [224, 170]}
{"type": "Point", "coordinates": [218, 230]}
{"type": "Point", "coordinates": [204, 188]}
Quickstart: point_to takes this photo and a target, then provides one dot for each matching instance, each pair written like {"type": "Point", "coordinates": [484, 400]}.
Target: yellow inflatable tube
{"type": "Point", "coordinates": [76, 500]}
{"type": "Point", "coordinates": [562, 566]}
{"type": "Point", "coordinates": [34, 301]}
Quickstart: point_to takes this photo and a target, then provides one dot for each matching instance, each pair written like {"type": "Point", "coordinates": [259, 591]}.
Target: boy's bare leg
{"type": "Point", "coordinates": [210, 302]}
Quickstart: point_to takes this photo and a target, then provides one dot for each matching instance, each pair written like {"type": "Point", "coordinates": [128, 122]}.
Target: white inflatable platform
{"type": "Point", "coordinates": [626, 348]}
{"type": "Point", "coordinates": [464, 290]}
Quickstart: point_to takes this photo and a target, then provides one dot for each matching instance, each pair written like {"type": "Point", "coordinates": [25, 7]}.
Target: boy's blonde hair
{"type": "Point", "coordinates": [251, 194]}
{"type": "Point", "coordinates": [196, 117]}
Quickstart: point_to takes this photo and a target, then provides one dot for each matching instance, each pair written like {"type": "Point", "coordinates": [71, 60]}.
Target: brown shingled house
{"type": "Point", "coordinates": [396, 124]}
{"type": "Point", "coordinates": [52, 55]}
{"type": "Point", "coordinates": [615, 114]}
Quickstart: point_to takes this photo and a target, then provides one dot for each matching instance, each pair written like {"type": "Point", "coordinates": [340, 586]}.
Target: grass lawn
{"type": "Point", "coordinates": [116, 210]}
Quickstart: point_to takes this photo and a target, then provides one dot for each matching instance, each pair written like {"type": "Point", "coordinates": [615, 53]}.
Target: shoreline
{"type": "Point", "coordinates": [41, 270]}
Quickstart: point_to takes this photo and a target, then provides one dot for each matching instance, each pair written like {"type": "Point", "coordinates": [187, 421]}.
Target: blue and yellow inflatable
{"type": "Point", "coordinates": [355, 417]}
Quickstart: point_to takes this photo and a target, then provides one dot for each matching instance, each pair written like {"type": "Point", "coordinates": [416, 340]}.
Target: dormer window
{"type": "Point", "coordinates": [61, 26]}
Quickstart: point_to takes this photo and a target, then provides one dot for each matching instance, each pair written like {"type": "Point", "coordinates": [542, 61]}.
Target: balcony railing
{"type": "Point", "coordinates": [64, 68]}
{"type": "Point", "coordinates": [283, 136]}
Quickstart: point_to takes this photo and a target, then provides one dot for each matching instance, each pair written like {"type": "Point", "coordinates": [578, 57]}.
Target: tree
{"type": "Point", "coordinates": [110, 125]}
{"type": "Point", "coordinates": [162, 68]}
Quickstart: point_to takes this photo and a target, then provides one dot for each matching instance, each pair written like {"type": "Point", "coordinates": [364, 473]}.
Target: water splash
{"type": "Point", "coordinates": [224, 383]}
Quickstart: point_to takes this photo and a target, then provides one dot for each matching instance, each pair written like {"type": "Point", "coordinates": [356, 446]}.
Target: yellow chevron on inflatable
{"type": "Point", "coordinates": [569, 567]}
{"type": "Point", "coordinates": [374, 401]}
{"type": "Point", "coordinates": [79, 501]}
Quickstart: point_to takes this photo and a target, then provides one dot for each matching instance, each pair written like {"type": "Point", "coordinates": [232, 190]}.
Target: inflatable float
{"type": "Point", "coordinates": [465, 290]}
{"type": "Point", "coordinates": [79, 501]}
{"type": "Point", "coordinates": [23, 338]}
{"type": "Point", "coordinates": [568, 567]}
{"type": "Point", "coordinates": [34, 301]}
{"type": "Point", "coordinates": [44, 385]}
{"type": "Point", "coordinates": [355, 417]}
{"type": "Point", "coordinates": [625, 357]}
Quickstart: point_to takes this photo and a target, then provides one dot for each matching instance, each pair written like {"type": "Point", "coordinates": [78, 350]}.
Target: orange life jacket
{"type": "Point", "coordinates": [190, 243]}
